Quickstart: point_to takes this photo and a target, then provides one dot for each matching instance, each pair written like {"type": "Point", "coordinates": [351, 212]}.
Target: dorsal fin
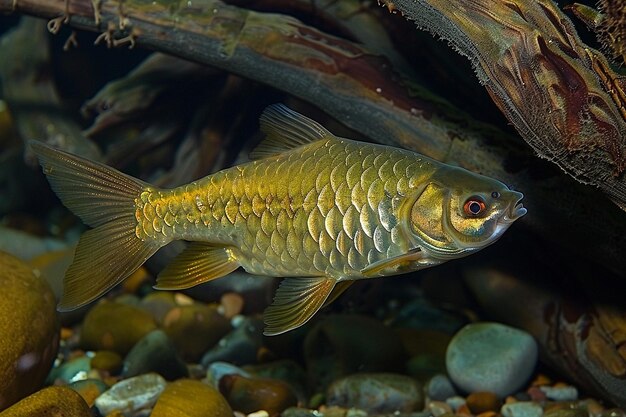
{"type": "Point", "coordinates": [285, 130]}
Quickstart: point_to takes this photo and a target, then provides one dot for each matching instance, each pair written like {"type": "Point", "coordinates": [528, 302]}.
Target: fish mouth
{"type": "Point", "coordinates": [517, 210]}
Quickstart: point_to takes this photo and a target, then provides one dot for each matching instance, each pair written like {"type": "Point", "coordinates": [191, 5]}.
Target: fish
{"type": "Point", "coordinates": [317, 210]}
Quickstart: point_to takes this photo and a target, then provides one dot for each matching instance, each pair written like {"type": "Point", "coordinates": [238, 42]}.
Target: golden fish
{"type": "Point", "coordinates": [320, 210]}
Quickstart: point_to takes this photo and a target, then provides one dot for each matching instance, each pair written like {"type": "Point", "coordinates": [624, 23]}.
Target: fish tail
{"type": "Point", "coordinates": [104, 199]}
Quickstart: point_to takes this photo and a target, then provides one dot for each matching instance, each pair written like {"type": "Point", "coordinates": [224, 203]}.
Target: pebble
{"type": "Point", "coordinates": [560, 393]}
{"type": "Point", "coordinates": [438, 408]}
{"type": "Point", "coordinates": [195, 328]}
{"type": "Point", "coordinates": [75, 369]}
{"type": "Point", "coordinates": [480, 402]}
{"type": "Point", "coordinates": [158, 304]}
{"type": "Point", "coordinates": [376, 393]}
{"type": "Point", "coordinates": [89, 389]}
{"type": "Point", "coordinates": [491, 357]}
{"type": "Point", "coordinates": [155, 353]}
{"type": "Point", "coordinates": [190, 398]}
{"type": "Point", "coordinates": [250, 394]}
{"type": "Point", "coordinates": [28, 323]}
{"type": "Point", "coordinates": [217, 370]}
{"type": "Point", "coordinates": [115, 326]}
{"type": "Point", "coordinates": [522, 409]}
{"type": "Point", "coordinates": [285, 370]}
{"type": "Point", "coordinates": [132, 394]}
{"type": "Point", "coordinates": [240, 346]}
{"type": "Point", "coordinates": [456, 402]}
{"type": "Point", "coordinates": [560, 411]}
{"type": "Point", "coordinates": [107, 360]}
{"type": "Point", "coordinates": [340, 345]}
{"type": "Point", "coordinates": [52, 401]}
{"type": "Point", "coordinates": [231, 304]}
{"type": "Point", "coordinates": [440, 388]}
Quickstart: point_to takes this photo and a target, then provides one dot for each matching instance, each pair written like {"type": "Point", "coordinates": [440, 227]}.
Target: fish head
{"type": "Point", "coordinates": [459, 212]}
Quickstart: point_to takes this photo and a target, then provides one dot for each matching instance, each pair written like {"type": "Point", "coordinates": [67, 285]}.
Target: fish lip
{"type": "Point", "coordinates": [516, 212]}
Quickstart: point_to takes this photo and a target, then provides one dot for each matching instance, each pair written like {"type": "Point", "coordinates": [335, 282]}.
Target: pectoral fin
{"type": "Point", "coordinates": [295, 302]}
{"type": "Point", "coordinates": [406, 262]}
{"type": "Point", "coordinates": [200, 262]}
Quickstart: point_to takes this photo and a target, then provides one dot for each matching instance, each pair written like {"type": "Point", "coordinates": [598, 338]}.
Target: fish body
{"type": "Point", "coordinates": [319, 210]}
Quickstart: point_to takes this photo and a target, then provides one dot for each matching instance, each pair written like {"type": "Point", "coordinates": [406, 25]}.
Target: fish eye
{"type": "Point", "coordinates": [474, 206]}
{"type": "Point", "coordinates": [495, 194]}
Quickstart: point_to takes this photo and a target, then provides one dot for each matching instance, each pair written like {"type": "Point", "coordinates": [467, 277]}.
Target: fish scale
{"type": "Point", "coordinates": [256, 210]}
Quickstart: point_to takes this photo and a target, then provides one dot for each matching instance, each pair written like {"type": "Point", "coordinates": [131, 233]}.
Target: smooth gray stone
{"type": "Point", "coordinates": [376, 393]}
{"type": "Point", "coordinates": [491, 357]}
{"type": "Point", "coordinates": [131, 395]}
{"type": "Point", "coordinates": [522, 409]}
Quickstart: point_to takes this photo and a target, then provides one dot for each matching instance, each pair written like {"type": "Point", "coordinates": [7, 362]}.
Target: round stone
{"type": "Point", "coordinates": [522, 409]}
{"type": "Point", "coordinates": [377, 393]}
{"type": "Point", "coordinates": [130, 395]}
{"type": "Point", "coordinates": [483, 401]}
{"type": "Point", "coordinates": [51, 401]}
{"type": "Point", "coordinates": [106, 360]}
{"type": "Point", "coordinates": [491, 357]}
{"type": "Point", "coordinates": [115, 326]}
{"type": "Point", "coordinates": [195, 328]}
{"type": "Point", "coordinates": [28, 323]}
{"type": "Point", "coordinates": [191, 398]}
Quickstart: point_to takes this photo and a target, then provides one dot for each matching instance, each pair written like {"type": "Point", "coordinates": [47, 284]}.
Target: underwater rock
{"type": "Point", "coordinates": [522, 409]}
{"type": "Point", "coordinates": [440, 388]}
{"type": "Point", "coordinates": [339, 345]}
{"type": "Point", "coordinates": [51, 401]}
{"type": "Point", "coordinates": [231, 304]}
{"type": "Point", "coordinates": [483, 401]}
{"type": "Point", "coordinates": [190, 398]}
{"type": "Point", "coordinates": [195, 328]}
{"type": "Point", "coordinates": [491, 357]}
{"type": "Point", "coordinates": [240, 346]}
{"type": "Point", "coordinates": [115, 326]}
{"type": "Point", "coordinates": [130, 395]}
{"type": "Point", "coordinates": [89, 389]}
{"type": "Point", "coordinates": [421, 314]}
{"type": "Point", "coordinates": [107, 360]}
{"type": "Point", "coordinates": [74, 369]}
{"type": "Point", "coordinates": [250, 394]}
{"type": "Point", "coordinates": [27, 246]}
{"type": "Point", "coordinates": [427, 351]}
{"type": "Point", "coordinates": [560, 393]}
{"type": "Point", "coordinates": [284, 370]}
{"type": "Point", "coordinates": [217, 370]}
{"type": "Point", "coordinates": [155, 353]}
{"type": "Point", "coordinates": [29, 324]}
{"type": "Point", "coordinates": [158, 304]}
{"type": "Point", "coordinates": [377, 393]}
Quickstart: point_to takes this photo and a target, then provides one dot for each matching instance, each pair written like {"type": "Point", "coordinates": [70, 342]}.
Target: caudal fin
{"type": "Point", "coordinates": [104, 199]}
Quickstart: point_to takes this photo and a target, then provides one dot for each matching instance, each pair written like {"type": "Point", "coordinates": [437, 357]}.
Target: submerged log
{"type": "Point", "coordinates": [560, 94]}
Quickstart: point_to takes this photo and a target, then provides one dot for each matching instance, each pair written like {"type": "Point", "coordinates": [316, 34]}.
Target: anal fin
{"type": "Point", "coordinates": [295, 302]}
{"type": "Point", "coordinates": [339, 289]}
{"type": "Point", "coordinates": [199, 262]}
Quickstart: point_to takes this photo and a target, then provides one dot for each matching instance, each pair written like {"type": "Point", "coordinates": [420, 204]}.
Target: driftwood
{"type": "Point", "coordinates": [358, 88]}
{"type": "Point", "coordinates": [560, 94]}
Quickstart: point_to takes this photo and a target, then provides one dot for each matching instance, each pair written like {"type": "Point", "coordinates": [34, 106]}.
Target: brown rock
{"type": "Point", "coordinates": [481, 402]}
{"type": "Point", "coordinates": [115, 326]}
{"type": "Point", "coordinates": [190, 398]}
{"type": "Point", "coordinates": [248, 395]}
{"type": "Point", "coordinates": [195, 328]}
{"type": "Point", "coordinates": [50, 402]}
{"type": "Point", "coordinates": [28, 323]}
